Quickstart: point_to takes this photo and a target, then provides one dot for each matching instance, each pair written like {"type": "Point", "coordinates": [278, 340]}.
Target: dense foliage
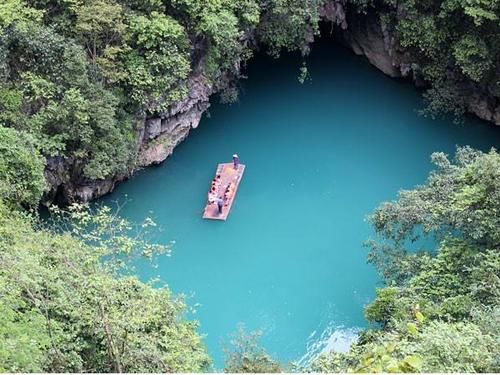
{"type": "Point", "coordinates": [246, 355]}
{"type": "Point", "coordinates": [80, 76]}
{"type": "Point", "coordinates": [63, 308]}
{"type": "Point", "coordinates": [440, 309]}
{"type": "Point", "coordinates": [77, 79]}
{"type": "Point", "coordinates": [451, 44]}
{"type": "Point", "coordinates": [21, 168]}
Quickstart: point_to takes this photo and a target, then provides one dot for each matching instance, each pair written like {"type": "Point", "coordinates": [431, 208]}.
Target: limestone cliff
{"type": "Point", "coordinates": [366, 36]}
{"type": "Point", "coordinates": [156, 139]}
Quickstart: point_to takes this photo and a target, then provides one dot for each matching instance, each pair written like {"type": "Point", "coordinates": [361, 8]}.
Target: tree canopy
{"type": "Point", "coordinates": [77, 80]}
{"type": "Point", "coordinates": [21, 169]}
{"type": "Point", "coordinates": [440, 309]}
{"type": "Point", "coordinates": [451, 44]}
{"type": "Point", "coordinates": [65, 309]}
{"type": "Point", "coordinates": [80, 76]}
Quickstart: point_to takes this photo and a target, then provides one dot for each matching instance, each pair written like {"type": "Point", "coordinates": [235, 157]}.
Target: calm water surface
{"type": "Point", "coordinates": [320, 157]}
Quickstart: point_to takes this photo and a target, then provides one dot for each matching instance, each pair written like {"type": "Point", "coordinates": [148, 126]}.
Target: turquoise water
{"type": "Point", "coordinates": [319, 157]}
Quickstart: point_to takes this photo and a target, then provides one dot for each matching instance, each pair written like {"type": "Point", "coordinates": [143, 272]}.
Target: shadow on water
{"type": "Point", "coordinates": [320, 157]}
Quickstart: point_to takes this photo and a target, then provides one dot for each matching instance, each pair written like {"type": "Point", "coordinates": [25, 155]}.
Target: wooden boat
{"type": "Point", "coordinates": [229, 177]}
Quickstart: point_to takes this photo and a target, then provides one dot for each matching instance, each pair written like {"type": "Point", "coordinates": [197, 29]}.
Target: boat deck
{"type": "Point", "coordinates": [228, 175]}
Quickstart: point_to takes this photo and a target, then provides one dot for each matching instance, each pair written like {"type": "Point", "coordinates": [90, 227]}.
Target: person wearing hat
{"type": "Point", "coordinates": [236, 161]}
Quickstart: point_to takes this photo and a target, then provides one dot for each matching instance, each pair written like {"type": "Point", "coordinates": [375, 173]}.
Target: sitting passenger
{"type": "Point", "coordinates": [211, 197]}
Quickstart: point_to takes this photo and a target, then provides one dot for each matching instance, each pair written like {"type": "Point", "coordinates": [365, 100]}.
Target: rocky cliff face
{"type": "Point", "coordinates": [162, 134]}
{"type": "Point", "coordinates": [157, 137]}
{"type": "Point", "coordinates": [367, 37]}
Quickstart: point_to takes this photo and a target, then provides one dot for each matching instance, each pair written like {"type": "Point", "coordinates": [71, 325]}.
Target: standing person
{"type": "Point", "coordinates": [236, 161]}
{"type": "Point", "coordinates": [220, 204]}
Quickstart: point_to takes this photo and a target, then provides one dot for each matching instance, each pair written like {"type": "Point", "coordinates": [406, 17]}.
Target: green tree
{"type": "Point", "coordinates": [247, 356]}
{"type": "Point", "coordinates": [100, 25]}
{"type": "Point", "coordinates": [223, 26]}
{"type": "Point", "coordinates": [74, 307]}
{"type": "Point", "coordinates": [458, 197]}
{"type": "Point", "coordinates": [456, 347]}
{"type": "Point", "coordinates": [451, 43]}
{"type": "Point", "coordinates": [22, 332]}
{"type": "Point", "coordinates": [17, 11]}
{"type": "Point", "coordinates": [290, 25]}
{"type": "Point", "coordinates": [158, 62]}
{"type": "Point", "coordinates": [52, 95]}
{"type": "Point", "coordinates": [21, 168]}
{"type": "Point", "coordinates": [439, 312]}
